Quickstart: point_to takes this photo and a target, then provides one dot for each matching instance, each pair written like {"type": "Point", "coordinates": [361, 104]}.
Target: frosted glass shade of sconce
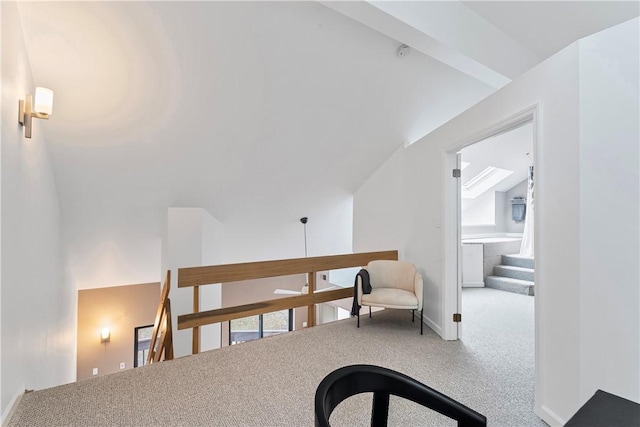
{"type": "Point", "coordinates": [43, 103]}
{"type": "Point", "coordinates": [105, 335]}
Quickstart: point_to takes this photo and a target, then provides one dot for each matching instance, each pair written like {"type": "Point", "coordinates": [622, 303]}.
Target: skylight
{"type": "Point", "coordinates": [483, 181]}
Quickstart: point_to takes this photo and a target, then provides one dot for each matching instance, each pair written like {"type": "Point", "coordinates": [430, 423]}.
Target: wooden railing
{"type": "Point", "coordinates": [199, 276]}
{"type": "Point", "coordinates": [162, 337]}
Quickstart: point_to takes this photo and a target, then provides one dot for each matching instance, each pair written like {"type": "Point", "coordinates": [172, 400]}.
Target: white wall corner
{"type": "Point", "coordinates": [433, 325]}
{"type": "Point", "coordinates": [11, 407]}
{"type": "Point", "coordinates": [549, 417]}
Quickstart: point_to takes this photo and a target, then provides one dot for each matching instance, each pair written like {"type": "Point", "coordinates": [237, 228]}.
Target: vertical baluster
{"type": "Point", "coordinates": [311, 309]}
{"type": "Point", "coordinates": [195, 341]}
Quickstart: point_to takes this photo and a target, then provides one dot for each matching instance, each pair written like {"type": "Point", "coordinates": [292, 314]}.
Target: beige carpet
{"type": "Point", "coordinates": [272, 382]}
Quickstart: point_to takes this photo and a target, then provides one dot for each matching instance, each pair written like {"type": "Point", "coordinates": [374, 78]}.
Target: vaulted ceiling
{"type": "Point", "coordinates": [238, 106]}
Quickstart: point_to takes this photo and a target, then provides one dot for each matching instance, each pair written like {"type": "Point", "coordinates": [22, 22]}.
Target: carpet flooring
{"type": "Point", "coordinates": [272, 382]}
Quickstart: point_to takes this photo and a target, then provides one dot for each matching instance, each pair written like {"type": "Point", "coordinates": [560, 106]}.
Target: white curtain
{"type": "Point", "coordinates": [526, 247]}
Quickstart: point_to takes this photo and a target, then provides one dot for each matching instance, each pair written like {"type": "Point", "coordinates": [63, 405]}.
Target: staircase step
{"type": "Point", "coordinates": [514, 272]}
{"type": "Point", "coordinates": [524, 287]}
{"type": "Point", "coordinates": [517, 261]}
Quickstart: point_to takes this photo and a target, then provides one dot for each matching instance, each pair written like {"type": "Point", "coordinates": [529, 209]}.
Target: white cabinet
{"type": "Point", "coordinates": [472, 264]}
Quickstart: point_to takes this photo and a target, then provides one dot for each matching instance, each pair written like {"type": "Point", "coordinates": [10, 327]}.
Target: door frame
{"type": "Point", "coordinates": [452, 281]}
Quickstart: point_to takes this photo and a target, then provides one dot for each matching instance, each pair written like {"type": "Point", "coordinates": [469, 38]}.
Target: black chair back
{"type": "Point", "coordinates": [351, 380]}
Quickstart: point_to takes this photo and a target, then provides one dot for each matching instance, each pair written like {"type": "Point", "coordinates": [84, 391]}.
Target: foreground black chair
{"type": "Point", "coordinates": [351, 380]}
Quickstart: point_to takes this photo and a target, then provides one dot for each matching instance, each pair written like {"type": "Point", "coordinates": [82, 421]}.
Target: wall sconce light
{"type": "Point", "coordinates": [105, 335]}
{"type": "Point", "coordinates": [40, 109]}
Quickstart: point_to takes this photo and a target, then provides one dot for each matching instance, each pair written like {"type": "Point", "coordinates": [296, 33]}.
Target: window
{"type": "Point", "coordinates": [142, 339]}
{"type": "Point", "coordinates": [259, 326]}
{"type": "Point", "coordinates": [277, 322]}
{"type": "Point", "coordinates": [483, 181]}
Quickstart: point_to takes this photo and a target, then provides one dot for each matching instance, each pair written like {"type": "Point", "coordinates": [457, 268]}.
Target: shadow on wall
{"type": "Point", "coordinates": [120, 309]}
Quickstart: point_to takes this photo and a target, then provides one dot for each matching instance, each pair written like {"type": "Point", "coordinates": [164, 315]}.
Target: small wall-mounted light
{"type": "Point", "coordinates": [40, 109]}
{"type": "Point", "coordinates": [105, 335]}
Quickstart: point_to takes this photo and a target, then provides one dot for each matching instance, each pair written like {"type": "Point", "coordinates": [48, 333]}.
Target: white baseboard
{"type": "Point", "coordinates": [550, 417]}
{"type": "Point", "coordinates": [473, 285]}
{"type": "Point", "coordinates": [11, 407]}
{"type": "Point", "coordinates": [486, 235]}
{"type": "Point", "coordinates": [431, 324]}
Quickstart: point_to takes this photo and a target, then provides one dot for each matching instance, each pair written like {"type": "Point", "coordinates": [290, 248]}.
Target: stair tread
{"type": "Point", "coordinates": [516, 268]}
{"type": "Point", "coordinates": [508, 284]}
{"type": "Point", "coordinates": [518, 261]}
{"type": "Point", "coordinates": [517, 256]}
{"type": "Point", "coordinates": [511, 280]}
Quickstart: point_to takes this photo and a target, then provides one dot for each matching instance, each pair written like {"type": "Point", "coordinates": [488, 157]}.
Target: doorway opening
{"type": "Point", "coordinates": [493, 208]}
{"type": "Point", "coordinates": [496, 233]}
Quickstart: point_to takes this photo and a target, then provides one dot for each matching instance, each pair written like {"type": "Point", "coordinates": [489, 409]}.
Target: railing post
{"type": "Point", "coordinates": [311, 309]}
{"type": "Point", "coordinates": [195, 340]}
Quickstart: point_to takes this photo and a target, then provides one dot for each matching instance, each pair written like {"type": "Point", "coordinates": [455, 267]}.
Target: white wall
{"type": "Point", "coordinates": [560, 289]}
{"type": "Point", "coordinates": [491, 212]}
{"type": "Point", "coordinates": [2, 406]}
{"type": "Point", "coordinates": [38, 307]}
{"type": "Point", "coordinates": [277, 233]}
{"type": "Point", "coordinates": [377, 209]}
{"type": "Point", "coordinates": [211, 296]}
{"type": "Point", "coordinates": [609, 213]}
{"type": "Point", "coordinates": [481, 212]}
{"type": "Point", "coordinates": [120, 245]}
{"type": "Point", "coordinates": [110, 245]}
{"type": "Point", "coordinates": [193, 235]}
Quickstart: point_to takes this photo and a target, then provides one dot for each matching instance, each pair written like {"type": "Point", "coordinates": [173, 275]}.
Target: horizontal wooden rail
{"type": "Point", "coordinates": [195, 276]}
{"type": "Point", "coordinates": [224, 314]}
{"type": "Point", "coordinates": [199, 276]}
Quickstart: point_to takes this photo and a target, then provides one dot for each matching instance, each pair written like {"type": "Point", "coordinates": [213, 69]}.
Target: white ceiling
{"type": "Point", "coordinates": [546, 27]}
{"type": "Point", "coordinates": [245, 106]}
{"type": "Point", "coordinates": [230, 106]}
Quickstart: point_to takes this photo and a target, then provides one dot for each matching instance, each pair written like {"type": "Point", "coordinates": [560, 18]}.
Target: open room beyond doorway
{"type": "Point", "coordinates": [496, 212]}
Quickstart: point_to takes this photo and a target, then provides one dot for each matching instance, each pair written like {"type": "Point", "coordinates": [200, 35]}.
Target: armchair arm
{"type": "Point", "coordinates": [418, 289]}
{"type": "Point", "coordinates": [359, 281]}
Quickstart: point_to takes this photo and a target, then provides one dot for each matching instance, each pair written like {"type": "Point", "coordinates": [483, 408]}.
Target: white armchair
{"type": "Point", "coordinates": [394, 284]}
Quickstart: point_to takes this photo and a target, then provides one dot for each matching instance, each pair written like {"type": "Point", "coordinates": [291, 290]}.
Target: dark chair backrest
{"type": "Point", "coordinates": [351, 380]}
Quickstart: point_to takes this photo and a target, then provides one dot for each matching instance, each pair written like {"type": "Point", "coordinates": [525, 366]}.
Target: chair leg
{"type": "Point", "coordinates": [369, 312]}
{"type": "Point", "coordinates": [380, 409]}
{"type": "Point", "coordinates": [421, 322]}
{"type": "Point", "coordinates": [413, 316]}
{"type": "Point", "coordinates": [358, 318]}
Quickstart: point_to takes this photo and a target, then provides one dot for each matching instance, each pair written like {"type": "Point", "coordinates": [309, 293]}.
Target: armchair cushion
{"type": "Point", "coordinates": [391, 298]}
